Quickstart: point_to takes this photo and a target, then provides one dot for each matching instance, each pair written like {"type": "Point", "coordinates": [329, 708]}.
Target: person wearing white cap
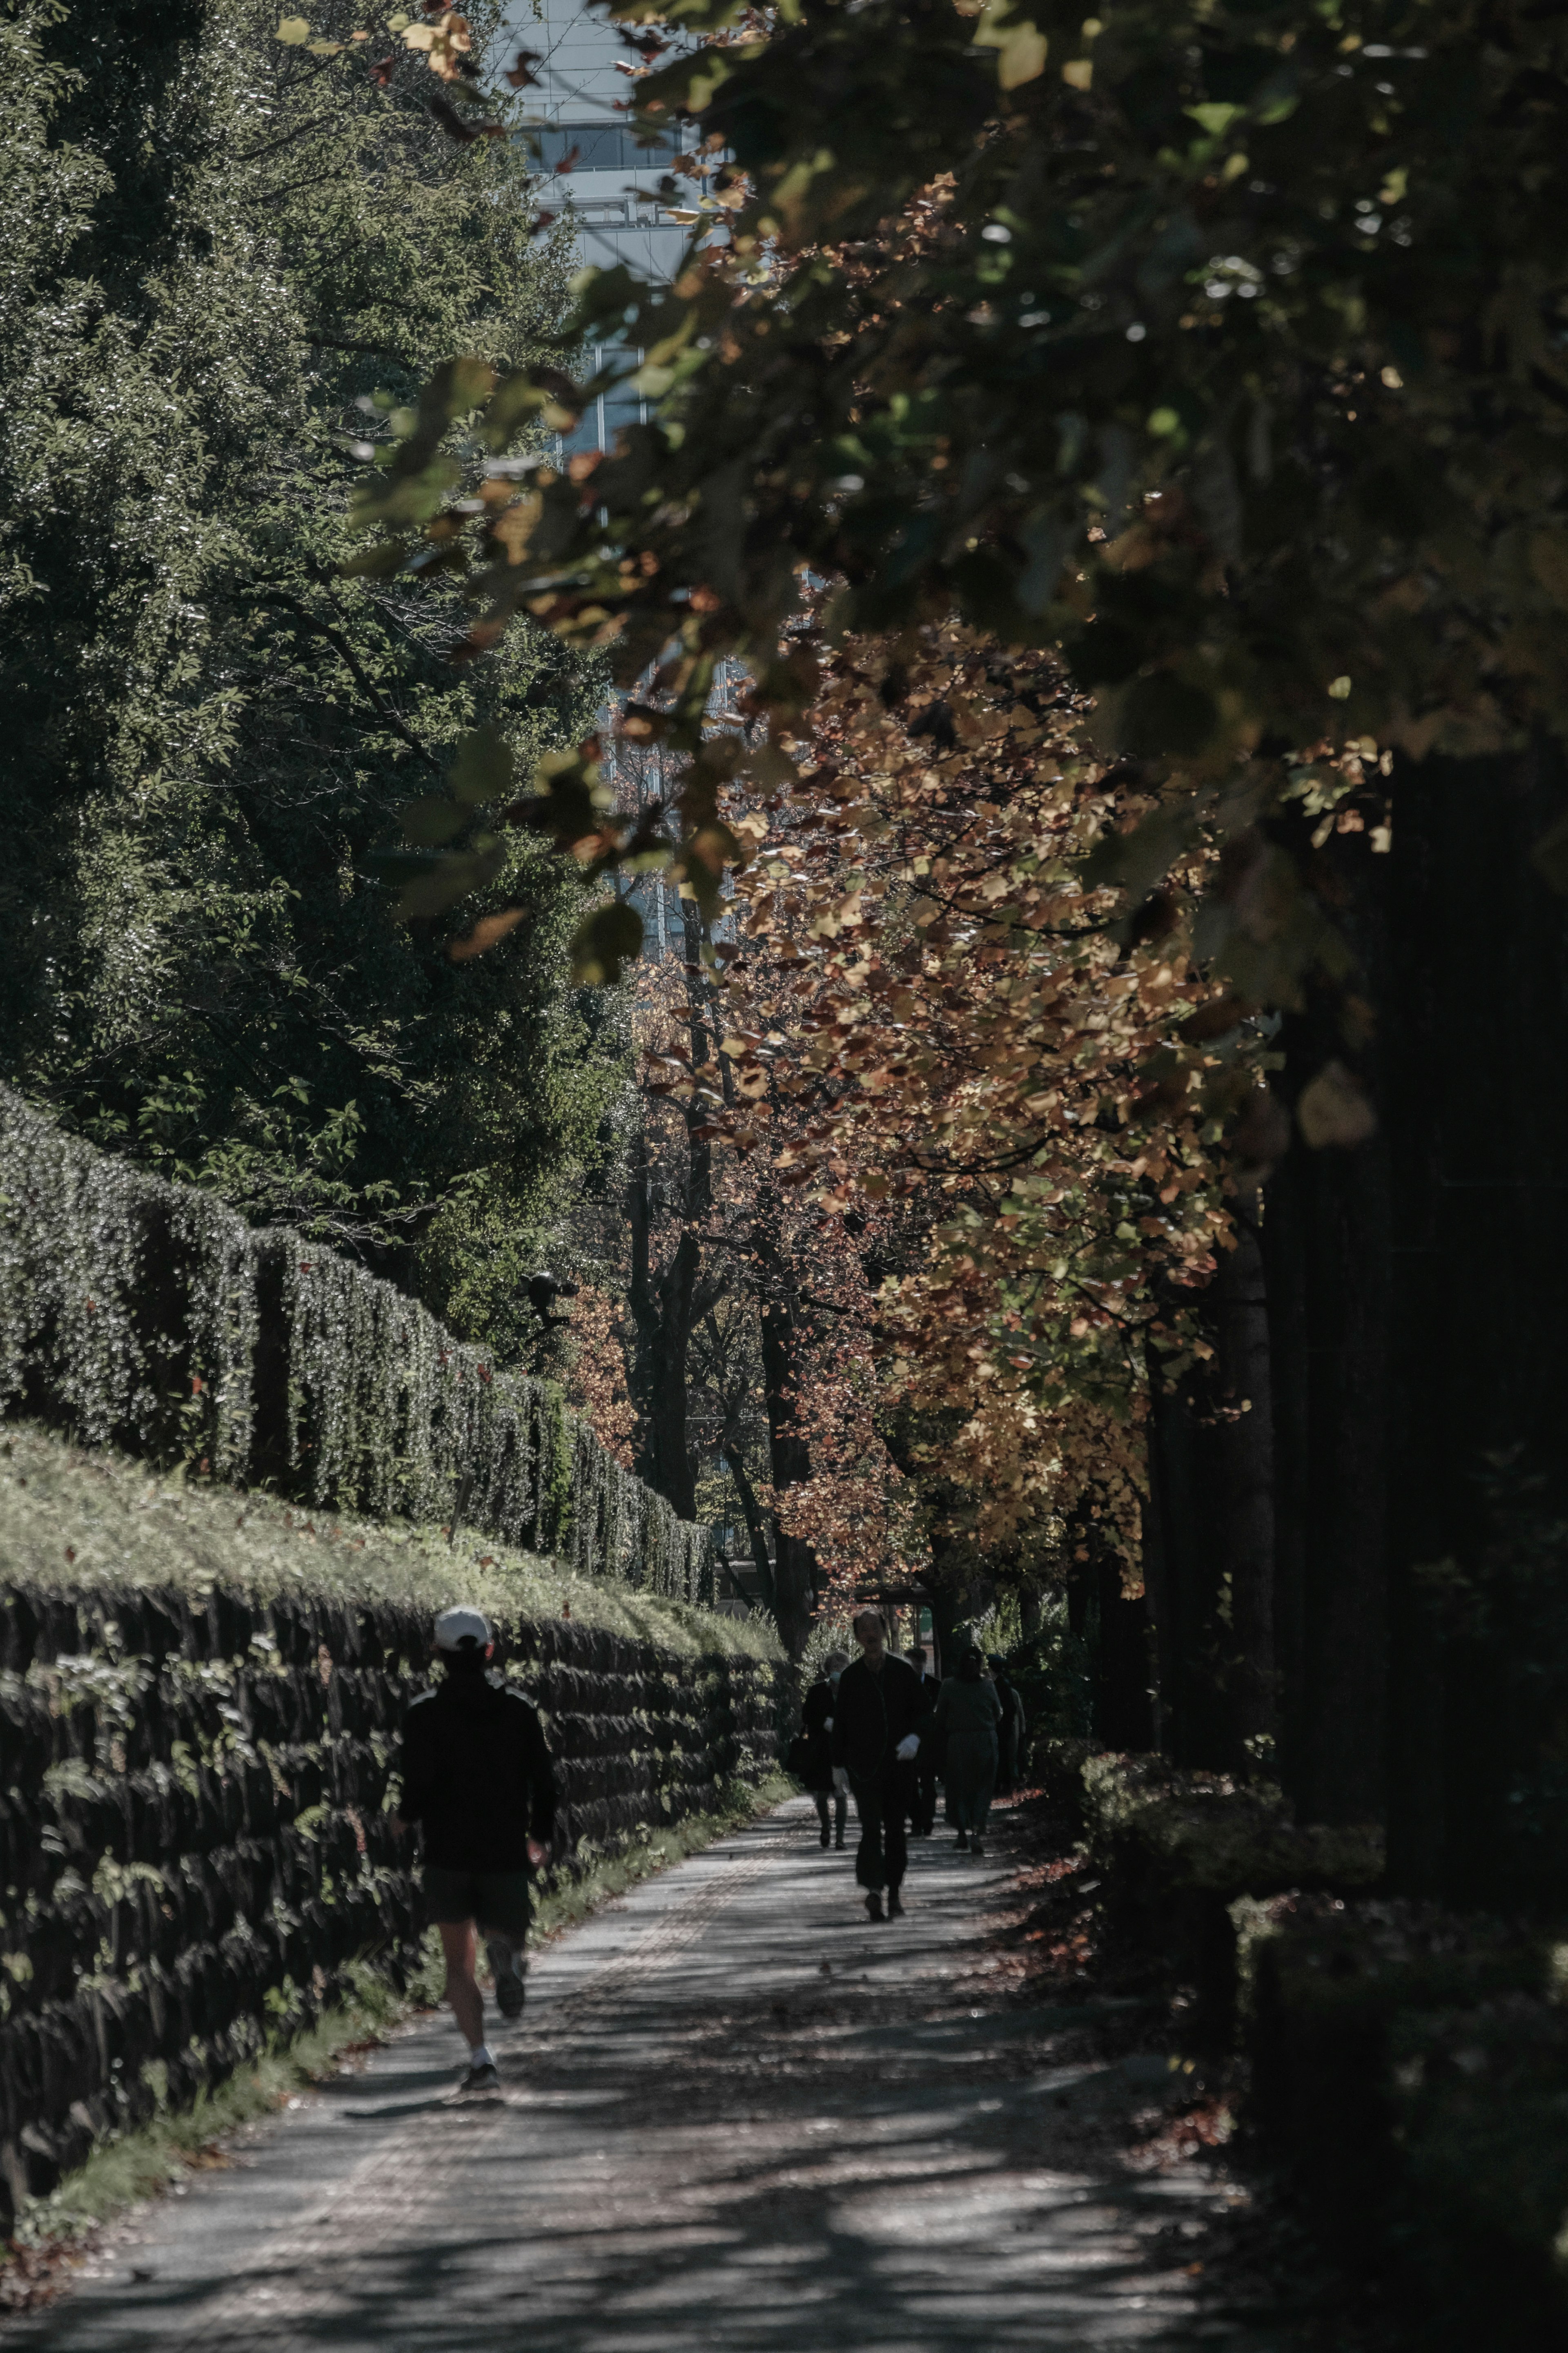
{"type": "Point", "coordinates": [477, 1777]}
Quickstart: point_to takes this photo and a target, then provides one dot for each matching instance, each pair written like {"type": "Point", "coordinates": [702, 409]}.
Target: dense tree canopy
{"type": "Point", "coordinates": [947, 1041]}
{"type": "Point", "coordinates": [218, 244]}
{"type": "Point", "coordinates": [1221, 346]}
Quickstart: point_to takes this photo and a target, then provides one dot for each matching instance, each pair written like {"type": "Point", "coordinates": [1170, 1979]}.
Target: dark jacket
{"type": "Point", "coordinates": [930, 1738]}
{"type": "Point", "coordinates": [1012, 1701]}
{"type": "Point", "coordinates": [477, 1774]}
{"type": "Point", "coordinates": [873, 1714]}
{"type": "Point", "coordinates": [970, 1714]}
{"type": "Point", "coordinates": [817, 1762]}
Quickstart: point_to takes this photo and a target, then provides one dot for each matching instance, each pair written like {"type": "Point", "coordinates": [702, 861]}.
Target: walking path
{"type": "Point", "coordinates": [737, 2115]}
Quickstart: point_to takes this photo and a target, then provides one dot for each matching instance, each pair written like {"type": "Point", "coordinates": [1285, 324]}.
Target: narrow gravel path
{"type": "Point", "coordinates": [737, 2116]}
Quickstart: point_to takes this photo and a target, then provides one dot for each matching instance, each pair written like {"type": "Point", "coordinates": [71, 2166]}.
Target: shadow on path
{"type": "Point", "coordinates": [736, 2116]}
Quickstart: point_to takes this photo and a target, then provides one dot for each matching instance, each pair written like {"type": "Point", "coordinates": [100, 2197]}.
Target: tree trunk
{"type": "Point", "coordinates": [1210, 1534]}
{"type": "Point", "coordinates": [1325, 1237]}
{"type": "Point", "coordinates": [1124, 1716]}
{"type": "Point", "coordinates": [756, 1531]}
{"type": "Point", "coordinates": [946, 1608]}
{"type": "Point", "coordinates": [1244, 1448]}
{"type": "Point", "coordinates": [795, 1570]}
{"type": "Point", "coordinates": [663, 1309]}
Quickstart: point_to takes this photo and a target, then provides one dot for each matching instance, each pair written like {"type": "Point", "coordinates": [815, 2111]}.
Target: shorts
{"type": "Point", "coordinates": [498, 1901]}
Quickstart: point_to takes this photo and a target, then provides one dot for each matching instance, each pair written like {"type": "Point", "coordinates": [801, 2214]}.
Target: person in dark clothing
{"type": "Point", "coordinates": [882, 1709]}
{"type": "Point", "coordinates": [968, 1711]}
{"type": "Point", "coordinates": [478, 1778]}
{"type": "Point", "coordinates": [1010, 1731]}
{"type": "Point", "coordinates": [816, 1739]}
{"type": "Point", "coordinates": [928, 1761]}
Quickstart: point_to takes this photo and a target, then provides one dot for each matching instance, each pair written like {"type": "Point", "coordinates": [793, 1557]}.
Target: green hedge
{"type": "Point", "coordinates": [1411, 2066]}
{"type": "Point", "coordinates": [147, 1316]}
{"type": "Point", "coordinates": [1180, 1855]}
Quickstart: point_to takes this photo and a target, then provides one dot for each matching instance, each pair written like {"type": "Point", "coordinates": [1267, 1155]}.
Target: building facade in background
{"type": "Point", "coordinates": [609, 182]}
{"type": "Point", "coordinates": [609, 188]}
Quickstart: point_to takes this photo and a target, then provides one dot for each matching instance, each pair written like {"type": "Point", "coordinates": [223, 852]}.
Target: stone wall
{"type": "Point", "coordinates": [194, 1850]}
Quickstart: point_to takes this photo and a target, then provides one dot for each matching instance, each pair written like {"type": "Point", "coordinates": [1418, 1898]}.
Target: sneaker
{"type": "Point", "coordinates": [826, 1835]}
{"type": "Point", "coordinates": [480, 2079]}
{"type": "Point", "coordinates": [873, 1904]}
{"type": "Point", "coordinates": [839, 1845]}
{"type": "Point", "coordinates": [895, 1909]}
{"type": "Point", "coordinates": [510, 1973]}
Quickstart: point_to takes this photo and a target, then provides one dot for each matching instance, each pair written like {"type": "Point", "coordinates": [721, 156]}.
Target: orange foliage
{"type": "Point", "coordinates": [938, 1025]}
{"type": "Point", "coordinates": [856, 1510]}
{"type": "Point", "coordinates": [596, 1383]}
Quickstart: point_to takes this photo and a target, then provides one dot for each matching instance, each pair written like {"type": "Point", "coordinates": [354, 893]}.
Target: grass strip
{"type": "Point", "coordinates": [76, 1518]}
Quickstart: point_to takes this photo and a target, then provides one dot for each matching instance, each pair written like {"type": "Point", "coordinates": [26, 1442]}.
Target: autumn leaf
{"type": "Point", "coordinates": [486, 932]}
{"type": "Point", "coordinates": [1333, 1108]}
{"type": "Point", "coordinates": [1020, 45]}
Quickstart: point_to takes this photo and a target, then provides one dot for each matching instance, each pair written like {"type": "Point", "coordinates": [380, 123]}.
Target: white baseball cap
{"type": "Point", "coordinates": [454, 1628]}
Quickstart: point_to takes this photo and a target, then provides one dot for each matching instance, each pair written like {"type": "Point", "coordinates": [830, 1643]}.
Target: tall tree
{"type": "Point", "coordinates": [228, 250]}
{"type": "Point", "coordinates": [665, 1300]}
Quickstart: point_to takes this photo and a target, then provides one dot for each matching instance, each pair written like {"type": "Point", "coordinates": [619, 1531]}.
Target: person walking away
{"type": "Point", "coordinates": [928, 1762]}
{"type": "Point", "coordinates": [477, 1775]}
{"type": "Point", "coordinates": [968, 1713]}
{"type": "Point", "coordinates": [816, 1748]}
{"type": "Point", "coordinates": [1010, 1737]}
{"type": "Point", "coordinates": [880, 1714]}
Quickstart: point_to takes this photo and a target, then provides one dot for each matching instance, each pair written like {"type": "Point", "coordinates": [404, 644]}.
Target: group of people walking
{"type": "Point", "coordinates": [476, 1775]}
{"type": "Point", "coordinates": [885, 1731]}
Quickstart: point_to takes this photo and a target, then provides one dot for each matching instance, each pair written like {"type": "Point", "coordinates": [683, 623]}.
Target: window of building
{"type": "Point", "coordinates": [603, 147]}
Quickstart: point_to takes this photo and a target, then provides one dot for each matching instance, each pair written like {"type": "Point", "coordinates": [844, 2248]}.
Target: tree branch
{"type": "Point", "coordinates": [341, 646]}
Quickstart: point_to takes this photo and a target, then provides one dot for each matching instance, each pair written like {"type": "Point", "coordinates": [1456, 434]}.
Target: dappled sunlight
{"type": "Point", "coordinates": [735, 2115]}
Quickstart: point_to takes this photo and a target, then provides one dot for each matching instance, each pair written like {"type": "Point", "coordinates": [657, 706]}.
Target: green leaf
{"type": "Point", "coordinates": [1163, 717]}
{"type": "Point", "coordinates": [1135, 861]}
{"type": "Point", "coordinates": [377, 563]}
{"type": "Point", "coordinates": [452, 877]}
{"type": "Point", "coordinates": [565, 812]}
{"type": "Point", "coordinates": [605, 942]}
{"type": "Point", "coordinates": [1021, 46]}
{"type": "Point", "coordinates": [432, 819]}
{"type": "Point", "coordinates": [393, 866]}
{"type": "Point", "coordinates": [482, 770]}
{"type": "Point", "coordinates": [1216, 120]}
{"type": "Point", "coordinates": [1333, 1109]}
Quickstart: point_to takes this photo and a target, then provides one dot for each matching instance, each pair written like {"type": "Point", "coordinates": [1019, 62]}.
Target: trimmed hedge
{"type": "Point", "coordinates": [148, 1316]}
{"type": "Point", "coordinates": [1411, 2065]}
{"type": "Point", "coordinates": [1174, 1851]}
{"type": "Point", "coordinates": [193, 1849]}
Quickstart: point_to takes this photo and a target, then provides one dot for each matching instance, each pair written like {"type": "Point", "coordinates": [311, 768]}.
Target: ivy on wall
{"type": "Point", "coordinates": [148, 1316]}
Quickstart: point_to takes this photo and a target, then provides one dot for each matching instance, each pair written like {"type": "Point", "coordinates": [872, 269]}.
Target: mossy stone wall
{"type": "Point", "coordinates": [194, 1843]}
